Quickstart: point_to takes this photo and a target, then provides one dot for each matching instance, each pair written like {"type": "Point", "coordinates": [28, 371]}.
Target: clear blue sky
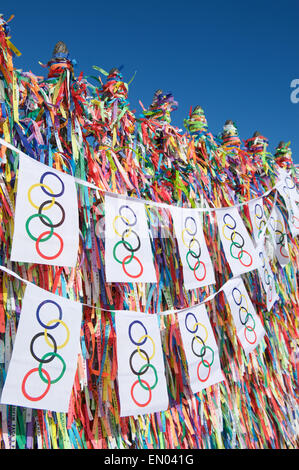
{"type": "Point", "coordinates": [234, 58]}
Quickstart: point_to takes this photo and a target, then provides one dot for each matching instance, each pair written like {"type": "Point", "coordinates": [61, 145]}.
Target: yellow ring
{"type": "Point", "coordinates": [113, 224]}
{"type": "Point", "coordinates": [44, 186]}
{"type": "Point", "coordinates": [242, 295]}
{"type": "Point", "coordinates": [205, 328]}
{"type": "Point", "coordinates": [56, 320]}
{"type": "Point", "coordinates": [226, 225]}
{"type": "Point", "coordinates": [261, 220]}
{"type": "Point", "coordinates": [193, 239]}
{"type": "Point", "coordinates": [281, 226]}
{"type": "Point", "coordinates": [154, 350]}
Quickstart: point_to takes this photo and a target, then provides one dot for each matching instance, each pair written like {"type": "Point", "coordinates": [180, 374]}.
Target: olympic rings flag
{"type": "Point", "coordinates": [128, 251]}
{"type": "Point", "coordinates": [200, 348]}
{"type": "Point", "coordinates": [287, 188]}
{"type": "Point", "coordinates": [267, 278]}
{"type": "Point", "coordinates": [141, 372]}
{"type": "Point", "coordinates": [237, 244]}
{"type": "Point", "coordinates": [198, 269]}
{"type": "Point", "coordinates": [257, 217]}
{"type": "Point", "coordinates": [46, 225]}
{"type": "Point", "coordinates": [42, 368]}
{"type": "Point", "coordinates": [286, 178]}
{"type": "Point", "coordinates": [249, 327]}
{"type": "Point", "coordinates": [278, 233]}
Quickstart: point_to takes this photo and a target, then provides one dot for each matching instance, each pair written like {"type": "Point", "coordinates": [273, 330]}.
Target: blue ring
{"type": "Point", "coordinates": [264, 263]}
{"type": "Point", "coordinates": [262, 209]}
{"type": "Point", "coordinates": [236, 288]}
{"type": "Point", "coordinates": [130, 336]}
{"type": "Point", "coordinates": [38, 318]}
{"type": "Point", "coordinates": [195, 225]}
{"type": "Point", "coordinates": [196, 321]}
{"type": "Point", "coordinates": [123, 217]}
{"type": "Point", "coordinates": [45, 190]}
{"type": "Point", "coordinates": [229, 215]}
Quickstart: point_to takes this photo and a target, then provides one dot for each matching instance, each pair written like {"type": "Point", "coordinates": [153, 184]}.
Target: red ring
{"type": "Point", "coordinates": [202, 361]}
{"type": "Point", "coordinates": [285, 256]}
{"type": "Point", "coordinates": [244, 251]}
{"type": "Point", "coordinates": [250, 329]}
{"type": "Point", "coordinates": [205, 270]}
{"type": "Point", "coordinates": [43, 394]}
{"type": "Point", "coordinates": [124, 268]}
{"type": "Point", "coordinates": [149, 389]}
{"type": "Point", "coordinates": [40, 253]}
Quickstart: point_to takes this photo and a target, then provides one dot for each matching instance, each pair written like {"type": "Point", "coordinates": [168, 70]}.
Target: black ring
{"type": "Point", "coordinates": [43, 361]}
{"type": "Point", "coordinates": [47, 223]}
{"type": "Point", "coordinates": [238, 245]}
{"type": "Point", "coordinates": [203, 343]}
{"type": "Point", "coordinates": [132, 250]}
{"type": "Point", "coordinates": [123, 217]}
{"type": "Point", "coordinates": [191, 249]}
{"type": "Point", "coordinates": [147, 365]}
{"type": "Point", "coordinates": [281, 237]}
{"type": "Point", "coordinates": [243, 323]}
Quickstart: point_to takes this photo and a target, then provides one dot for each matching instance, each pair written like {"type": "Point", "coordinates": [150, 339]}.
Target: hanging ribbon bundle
{"type": "Point", "coordinates": [88, 133]}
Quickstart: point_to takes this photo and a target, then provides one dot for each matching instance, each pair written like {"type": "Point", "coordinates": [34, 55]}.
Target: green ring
{"type": "Point", "coordinates": [192, 252]}
{"type": "Point", "coordinates": [155, 372]}
{"type": "Point", "coordinates": [245, 325]}
{"type": "Point", "coordinates": [207, 347]}
{"type": "Point", "coordinates": [30, 234]}
{"type": "Point", "coordinates": [124, 243]}
{"type": "Point", "coordinates": [230, 249]}
{"type": "Point", "coordinates": [63, 367]}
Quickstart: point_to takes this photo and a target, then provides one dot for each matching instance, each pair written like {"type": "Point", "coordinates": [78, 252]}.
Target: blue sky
{"type": "Point", "coordinates": [234, 58]}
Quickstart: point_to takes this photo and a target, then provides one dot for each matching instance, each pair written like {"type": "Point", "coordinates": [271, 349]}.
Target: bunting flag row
{"type": "Point", "coordinates": [128, 253]}
{"type": "Point", "coordinates": [36, 366]}
{"type": "Point", "coordinates": [149, 274]}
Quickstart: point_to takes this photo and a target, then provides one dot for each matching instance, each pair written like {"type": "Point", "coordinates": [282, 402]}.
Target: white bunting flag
{"type": "Point", "coordinates": [42, 368]}
{"type": "Point", "coordinates": [237, 244]}
{"type": "Point", "coordinates": [278, 233]}
{"type": "Point", "coordinates": [289, 183]}
{"type": "Point", "coordinates": [287, 188]}
{"type": "Point", "coordinates": [249, 328]}
{"type": "Point", "coordinates": [267, 278]}
{"type": "Point", "coordinates": [257, 217]}
{"type": "Point", "coordinates": [141, 372]}
{"type": "Point", "coordinates": [200, 348]}
{"type": "Point", "coordinates": [128, 252]}
{"type": "Point", "coordinates": [198, 269]}
{"type": "Point", "coordinates": [46, 225]}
